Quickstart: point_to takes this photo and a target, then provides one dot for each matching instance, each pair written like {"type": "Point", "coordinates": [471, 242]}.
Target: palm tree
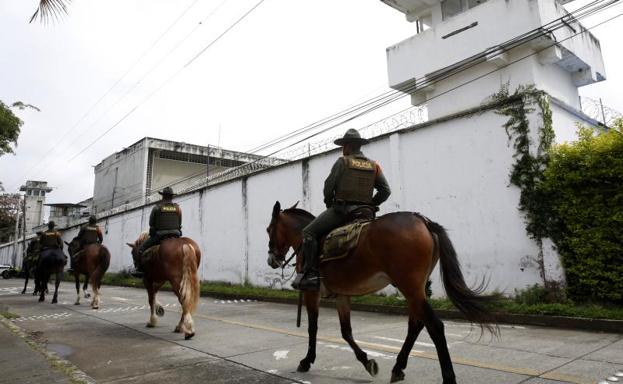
{"type": "Point", "coordinates": [50, 9]}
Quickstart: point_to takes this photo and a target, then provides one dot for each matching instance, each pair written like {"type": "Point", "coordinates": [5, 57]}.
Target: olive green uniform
{"type": "Point", "coordinates": [165, 221]}
{"type": "Point", "coordinates": [349, 185]}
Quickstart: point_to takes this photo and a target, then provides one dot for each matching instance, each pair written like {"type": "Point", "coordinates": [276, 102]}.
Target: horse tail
{"type": "Point", "coordinates": [189, 286]}
{"type": "Point", "coordinates": [470, 302]}
{"type": "Point", "coordinates": [102, 266]}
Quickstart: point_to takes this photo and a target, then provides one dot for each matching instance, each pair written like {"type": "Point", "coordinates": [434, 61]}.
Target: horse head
{"type": "Point", "coordinates": [284, 232]}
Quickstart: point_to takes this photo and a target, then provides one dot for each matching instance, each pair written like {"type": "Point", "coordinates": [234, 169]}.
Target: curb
{"type": "Point", "coordinates": [596, 325]}
{"type": "Point", "coordinates": [57, 363]}
{"type": "Point", "coordinates": [562, 322]}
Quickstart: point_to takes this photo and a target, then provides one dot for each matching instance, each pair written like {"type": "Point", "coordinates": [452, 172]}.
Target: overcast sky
{"type": "Point", "coordinates": [291, 62]}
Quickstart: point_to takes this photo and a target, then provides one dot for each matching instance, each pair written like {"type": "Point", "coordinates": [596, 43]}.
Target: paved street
{"type": "Point", "coordinates": [258, 342]}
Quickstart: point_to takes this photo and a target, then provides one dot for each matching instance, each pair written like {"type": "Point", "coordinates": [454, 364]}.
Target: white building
{"type": "Point", "coordinates": [139, 171]}
{"type": "Point", "coordinates": [34, 194]}
{"type": "Point", "coordinates": [505, 41]}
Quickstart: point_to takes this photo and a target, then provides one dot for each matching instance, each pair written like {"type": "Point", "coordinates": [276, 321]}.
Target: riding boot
{"type": "Point", "coordinates": [138, 267]}
{"type": "Point", "coordinates": [309, 279]}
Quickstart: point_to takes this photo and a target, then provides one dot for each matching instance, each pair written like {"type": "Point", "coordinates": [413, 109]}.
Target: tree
{"type": "Point", "coordinates": [50, 9]}
{"type": "Point", "coordinates": [9, 206]}
{"type": "Point", "coordinates": [10, 126]}
{"type": "Point", "coordinates": [9, 129]}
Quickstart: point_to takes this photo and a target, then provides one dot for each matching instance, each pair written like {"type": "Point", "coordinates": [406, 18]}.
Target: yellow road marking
{"type": "Point", "coordinates": [388, 348]}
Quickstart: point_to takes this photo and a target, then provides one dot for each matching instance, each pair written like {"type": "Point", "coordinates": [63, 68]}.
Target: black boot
{"type": "Point", "coordinates": [309, 279]}
{"type": "Point", "coordinates": [71, 264]}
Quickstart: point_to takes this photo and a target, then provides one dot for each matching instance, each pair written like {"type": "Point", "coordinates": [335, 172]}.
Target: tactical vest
{"type": "Point", "coordinates": [90, 234]}
{"type": "Point", "coordinates": [49, 239]}
{"type": "Point", "coordinates": [167, 217]}
{"type": "Point", "coordinates": [357, 182]}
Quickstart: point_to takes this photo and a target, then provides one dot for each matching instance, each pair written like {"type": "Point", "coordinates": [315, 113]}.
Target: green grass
{"type": "Point", "coordinates": [503, 305]}
{"type": "Point", "coordinates": [9, 315]}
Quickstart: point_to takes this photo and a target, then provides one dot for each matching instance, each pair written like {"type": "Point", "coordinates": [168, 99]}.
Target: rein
{"type": "Point", "coordinates": [287, 262]}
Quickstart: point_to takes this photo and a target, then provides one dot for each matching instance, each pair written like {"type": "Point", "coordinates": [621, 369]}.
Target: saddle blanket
{"type": "Point", "coordinates": [341, 241]}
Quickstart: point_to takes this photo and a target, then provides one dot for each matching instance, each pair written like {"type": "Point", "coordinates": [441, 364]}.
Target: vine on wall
{"type": "Point", "coordinates": [530, 160]}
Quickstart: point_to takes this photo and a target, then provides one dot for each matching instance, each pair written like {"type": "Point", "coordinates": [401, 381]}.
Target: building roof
{"type": "Point", "coordinates": [66, 205]}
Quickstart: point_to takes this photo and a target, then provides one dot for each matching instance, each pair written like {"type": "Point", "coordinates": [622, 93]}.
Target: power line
{"type": "Point", "coordinates": [138, 60]}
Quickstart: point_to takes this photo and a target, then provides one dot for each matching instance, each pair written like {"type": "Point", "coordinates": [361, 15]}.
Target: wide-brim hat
{"type": "Point", "coordinates": [351, 136]}
{"type": "Point", "coordinates": [167, 191]}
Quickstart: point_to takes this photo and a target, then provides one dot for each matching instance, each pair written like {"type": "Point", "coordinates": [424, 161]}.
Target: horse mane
{"type": "Point", "coordinates": [141, 239]}
{"type": "Point", "coordinates": [300, 213]}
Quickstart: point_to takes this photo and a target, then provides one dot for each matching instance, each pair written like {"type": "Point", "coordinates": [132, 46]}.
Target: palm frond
{"type": "Point", "coordinates": [50, 10]}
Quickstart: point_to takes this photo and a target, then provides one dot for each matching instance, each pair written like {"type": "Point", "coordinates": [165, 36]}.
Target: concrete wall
{"type": "Point", "coordinates": [454, 170]}
{"type": "Point", "coordinates": [122, 175]}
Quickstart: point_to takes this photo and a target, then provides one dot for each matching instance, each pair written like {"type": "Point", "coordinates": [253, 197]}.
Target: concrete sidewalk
{"type": "Point", "coordinates": [22, 363]}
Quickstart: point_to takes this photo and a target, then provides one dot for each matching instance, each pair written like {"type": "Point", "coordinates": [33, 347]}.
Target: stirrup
{"type": "Point", "coordinates": [307, 281]}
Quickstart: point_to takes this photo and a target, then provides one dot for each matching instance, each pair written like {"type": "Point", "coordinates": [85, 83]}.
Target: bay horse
{"type": "Point", "coordinates": [94, 262]}
{"type": "Point", "coordinates": [176, 261]}
{"type": "Point", "coordinates": [51, 261]}
{"type": "Point", "coordinates": [399, 248]}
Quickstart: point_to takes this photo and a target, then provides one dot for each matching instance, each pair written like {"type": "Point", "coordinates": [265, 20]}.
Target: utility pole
{"type": "Point", "coordinates": [603, 113]}
{"type": "Point", "coordinates": [208, 167]}
{"type": "Point", "coordinates": [24, 232]}
{"type": "Point", "coordinates": [16, 236]}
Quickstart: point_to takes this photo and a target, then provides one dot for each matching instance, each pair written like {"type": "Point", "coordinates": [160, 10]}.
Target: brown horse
{"type": "Point", "coordinates": [175, 261]}
{"type": "Point", "coordinates": [398, 248]}
{"type": "Point", "coordinates": [93, 262]}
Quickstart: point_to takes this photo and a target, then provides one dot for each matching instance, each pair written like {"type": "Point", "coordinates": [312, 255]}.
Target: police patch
{"type": "Point", "coordinates": [363, 165]}
{"type": "Point", "coordinates": [168, 208]}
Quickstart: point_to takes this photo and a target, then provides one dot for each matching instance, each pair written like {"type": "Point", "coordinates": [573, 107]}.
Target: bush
{"type": "Point", "coordinates": [582, 190]}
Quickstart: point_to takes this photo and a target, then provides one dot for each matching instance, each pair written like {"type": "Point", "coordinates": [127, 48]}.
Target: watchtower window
{"type": "Point", "coordinates": [451, 8]}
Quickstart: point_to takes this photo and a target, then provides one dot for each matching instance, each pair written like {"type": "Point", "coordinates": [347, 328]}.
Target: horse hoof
{"type": "Point", "coordinates": [303, 366]}
{"type": "Point", "coordinates": [150, 325]}
{"type": "Point", "coordinates": [188, 336]}
{"type": "Point", "coordinates": [54, 301]}
{"type": "Point", "coordinates": [77, 303]}
{"type": "Point", "coordinates": [372, 367]}
{"type": "Point", "coordinates": [34, 293]}
{"type": "Point", "coordinates": [177, 329]}
{"type": "Point", "coordinates": [397, 376]}
{"type": "Point", "coordinates": [160, 311]}
{"type": "Point", "coordinates": [40, 300]}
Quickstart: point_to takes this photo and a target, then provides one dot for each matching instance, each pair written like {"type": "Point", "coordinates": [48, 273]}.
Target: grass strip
{"type": "Point", "coordinates": [504, 305]}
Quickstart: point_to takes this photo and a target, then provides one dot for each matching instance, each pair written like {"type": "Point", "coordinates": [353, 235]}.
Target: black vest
{"type": "Point", "coordinates": [89, 236]}
{"type": "Point", "coordinates": [167, 218]}
{"type": "Point", "coordinates": [49, 239]}
{"type": "Point", "coordinates": [356, 184]}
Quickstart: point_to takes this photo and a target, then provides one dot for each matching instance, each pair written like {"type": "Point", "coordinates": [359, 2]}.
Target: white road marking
{"type": "Point", "coordinates": [280, 355]}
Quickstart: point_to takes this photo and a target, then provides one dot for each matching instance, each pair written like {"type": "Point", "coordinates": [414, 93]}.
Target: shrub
{"type": "Point", "coordinates": [583, 193]}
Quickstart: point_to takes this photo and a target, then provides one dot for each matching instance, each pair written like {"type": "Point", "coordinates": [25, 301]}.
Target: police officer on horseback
{"type": "Point", "coordinates": [89, 234]}
{"type": "Point", "coordinates": [51, 241]}
{"type": "Point", "coordinates": [349, 186]}
{"type": "Point", "coordinates": [165, 221]}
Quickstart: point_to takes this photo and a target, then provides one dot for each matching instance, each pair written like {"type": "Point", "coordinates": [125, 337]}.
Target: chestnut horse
{"type": "Point", "coordinates": [94, 262]}
{"type": "Point", "coordinates": [176, 261]}
{"type": "Point", "coordinates": [398, 248]}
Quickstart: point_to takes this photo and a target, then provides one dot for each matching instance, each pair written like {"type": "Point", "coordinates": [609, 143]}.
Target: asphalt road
{"type": "Point", "coordinates": [253, 342]}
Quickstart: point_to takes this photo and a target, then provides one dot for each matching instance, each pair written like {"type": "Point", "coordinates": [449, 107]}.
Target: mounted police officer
{"type": "Point", "coordinates": [165, 221]}
{"type": "Point", "coordinates": [89, 234]}
{"type": "Point", "coordinates": [349, 186]}
{"type": "Point", "coordinates": [51, 241]}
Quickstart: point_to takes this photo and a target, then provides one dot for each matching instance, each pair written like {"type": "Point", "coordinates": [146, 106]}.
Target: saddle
{"type": "Point", "coordinates": [339, 242]}
{"type": "Point", "coordinates": [149, 253]}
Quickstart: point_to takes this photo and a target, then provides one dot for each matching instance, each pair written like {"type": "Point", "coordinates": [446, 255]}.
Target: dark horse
{"type": "Point", "coordinates": [94, 262]}
{"type": "Point", "coordinates": [176, 261]}
{"type": "Point", "coordinates": [51, 261]}
{"type": "Point", "coordinates": [30, 267]}
{"type": "Point", "coordinates": [400, 248]}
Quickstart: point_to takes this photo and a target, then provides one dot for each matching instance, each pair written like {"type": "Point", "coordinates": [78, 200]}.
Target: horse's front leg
{"type": "Point", "coordinates": [151, 294]}
{"type": "Point", "coordinates": [42, 283]}
{"type": "Point", "coordinates": [85, 286]}
{"type": "Point", "coordinates": [59, 277]}
{"type": "Point", "coordinates": [77, 279]}
{"type": "Point", "coordinates": [27, 273]}
{"type": "Point", "coordinates": [312, 304]}
{"type": "Point", "coordinates": [343, 310]}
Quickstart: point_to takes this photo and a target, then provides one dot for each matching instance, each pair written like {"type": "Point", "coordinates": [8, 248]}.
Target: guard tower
{"type": "Point", "coordinates": [464, 41]}
{"type": "Point", "coordinates": [35, 192]}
